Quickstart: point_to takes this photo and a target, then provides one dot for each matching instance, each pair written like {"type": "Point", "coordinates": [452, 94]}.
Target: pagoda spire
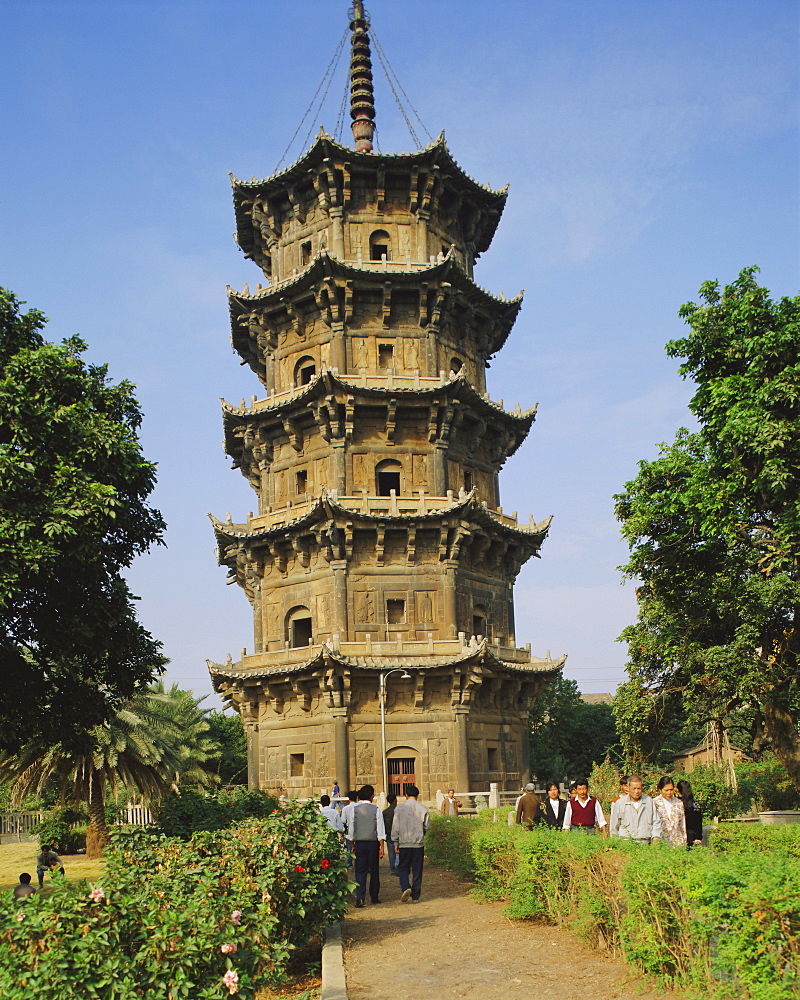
{"type": "Point", "coordinates": [362, 100]}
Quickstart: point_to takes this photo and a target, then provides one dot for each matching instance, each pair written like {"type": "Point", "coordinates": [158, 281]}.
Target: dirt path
{"type": "Point", "coordinates": [450, 946]}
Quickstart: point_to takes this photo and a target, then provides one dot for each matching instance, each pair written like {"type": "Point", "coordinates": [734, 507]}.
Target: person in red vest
{"type": "Point", "coordinates": [584, 812]}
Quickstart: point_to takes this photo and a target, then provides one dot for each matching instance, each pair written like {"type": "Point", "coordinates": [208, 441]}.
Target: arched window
{"type": "Point", "coordinates": [380, 245]}
{"type": "Point", "coordinates": [456, 364]}
{"type": "Point", "coordinates": [304, 371]}
{"type": "Point", "coordinates": [388, 477]}
{"type": "Point", "coordinates": [299, 627]}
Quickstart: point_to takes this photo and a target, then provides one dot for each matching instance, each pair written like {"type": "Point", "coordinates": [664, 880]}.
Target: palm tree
{"type": "Point", "coordinates": [148, 747]}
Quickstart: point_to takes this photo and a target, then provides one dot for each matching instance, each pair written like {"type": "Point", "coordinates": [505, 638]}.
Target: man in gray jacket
{"type": "Point", "coordinates": [635, 816]}
{"type": "Point", "coordinates": [363, 824]}
{"type": "Point", "coordinates": [410, 823]}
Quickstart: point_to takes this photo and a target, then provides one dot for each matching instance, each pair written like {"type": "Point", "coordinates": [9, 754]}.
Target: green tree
{"type": "Point", "coordinates": [228, 732]}
{"type": "Point", "coordinates": [73, 515]}
{"type": "Point", "coordinates": [149, 746]}
{"type": "Point", "coordinates": [652, 726]}
{"type": "Point", "coordinates": [567, 735]}
{"type": "Point", "coordinates": [713, 524]}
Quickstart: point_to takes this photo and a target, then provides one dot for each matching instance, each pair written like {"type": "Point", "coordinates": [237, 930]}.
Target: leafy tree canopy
{"type": "Point", "coordinates": [73, 515]}
{"type": "Point", "coordinates": [228, 732]}
{"type": "Point", "coordinates": [567, 735]}
{"type": "Point", "coordinates": [713, 523]}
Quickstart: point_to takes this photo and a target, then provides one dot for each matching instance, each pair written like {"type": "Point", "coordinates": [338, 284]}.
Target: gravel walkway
{"type": "Point", "coordinates": [451, 946]}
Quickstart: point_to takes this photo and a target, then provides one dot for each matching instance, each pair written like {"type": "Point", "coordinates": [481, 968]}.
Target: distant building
{"type": "Point", "coordinates": [704, 753]}
{"type": "Point", "coordinates": [597, 699]}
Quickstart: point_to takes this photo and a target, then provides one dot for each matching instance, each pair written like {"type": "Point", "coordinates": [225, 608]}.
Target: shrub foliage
{"type": "Point", "coordinates": [724, 922]}
{"type": "Point", "coordinates": [205, 918]}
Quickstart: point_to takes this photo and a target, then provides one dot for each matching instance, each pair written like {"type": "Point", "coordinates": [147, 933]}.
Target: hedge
{"type": "Point", "coordinates": [723, 922]}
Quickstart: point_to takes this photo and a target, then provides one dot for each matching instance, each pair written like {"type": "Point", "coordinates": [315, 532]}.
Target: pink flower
{"type": "Point", "coordinates": [231, 980]}
{"type": "Point", "coordinates": [325, 864]}
{"type": "Point", "coordinates": [96, 895]}
{"type": "Point", "coordinates": [299, 868]}
{"type": "Point", "coordinates": [236, 917]}
{"type": "Point", "coordinates": [228, 949]}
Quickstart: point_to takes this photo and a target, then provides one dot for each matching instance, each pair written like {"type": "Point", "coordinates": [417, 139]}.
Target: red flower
{"type": "Point", "coordinates": [299, 868]}
{"type": "Point", "coordinates": [325, 864]}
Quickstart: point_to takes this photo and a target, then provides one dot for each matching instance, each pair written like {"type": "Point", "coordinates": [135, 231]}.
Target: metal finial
{"type": "Point", "coordinates": [362, 100]}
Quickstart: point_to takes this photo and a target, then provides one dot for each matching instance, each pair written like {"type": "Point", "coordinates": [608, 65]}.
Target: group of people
{"type": "Point", "coordinates": [367, 830]}
{"type": "Point", "coordinates": [677, 821]}
{"type": "Point", "coordinates": [46, 861]}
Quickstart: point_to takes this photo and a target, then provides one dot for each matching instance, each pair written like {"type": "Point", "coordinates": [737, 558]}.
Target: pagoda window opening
{"type": "Point", "coordinates": [388, 477]}
{"type": "Point", "coordinates": [493, 758]}
{"type": "Point", "coordinates": [301, 482]}
{"type": "Point", "coordinates": [299, 627]}
{"type": "Point", "coordinates": [304, 371]}
{"type": "Point", "coordinates": [478, 620]}
{"type": "Point", "coordinates": [305, 253]}
{"type": "Point", "coordinates": [380, 245]}
{"type": "Point", "coordinates": [395, 612]}
{"type": "Point", "coordinates": [385, 356]}
{"type": "Point", "coordinates": [456, 364]}
{"type": "Point", "coordinates": [469, 483]}
{"type": "Point", "coordinates": [297, 765]}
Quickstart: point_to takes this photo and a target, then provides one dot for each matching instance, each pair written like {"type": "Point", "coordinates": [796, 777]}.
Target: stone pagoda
{"type": "Point", "coordinates": [380, 565]}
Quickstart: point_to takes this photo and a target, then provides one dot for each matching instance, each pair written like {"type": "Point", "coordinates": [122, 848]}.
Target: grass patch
{"type": "Point", "coordinates": [16, 858]}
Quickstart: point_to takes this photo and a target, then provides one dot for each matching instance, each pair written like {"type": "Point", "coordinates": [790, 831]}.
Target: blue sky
{"type": "Point", "coordinates": [649, 146]}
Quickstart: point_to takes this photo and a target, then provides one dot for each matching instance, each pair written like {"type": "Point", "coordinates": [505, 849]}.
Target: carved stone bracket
{"type": "Point", "coordinates": [294, 433]}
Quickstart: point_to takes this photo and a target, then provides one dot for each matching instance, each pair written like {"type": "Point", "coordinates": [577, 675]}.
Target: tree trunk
{"type": "Point", "coordinates": [781, 727]}
{"type": "Point", "coordinates": [97, 834]}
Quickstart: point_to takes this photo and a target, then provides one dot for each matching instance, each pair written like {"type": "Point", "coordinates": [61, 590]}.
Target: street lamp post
{"type": "Point", "coordinates": [382, 697]}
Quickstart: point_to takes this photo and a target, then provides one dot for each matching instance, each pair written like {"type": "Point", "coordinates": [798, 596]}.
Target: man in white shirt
{"type": "Point", "coordinates": [352, 798]}
{"type": "Point", "coordinates": [584, 812]}
{"type": "Point", "coordinates": [634, 816]}
{"type": "Point", "coordinates": [364, 826]}
{"type": "Point", "coordinates": [333, 816]}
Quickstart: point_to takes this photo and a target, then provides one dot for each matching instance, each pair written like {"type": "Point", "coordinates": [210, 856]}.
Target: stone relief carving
{"type": "Point", "coordinates": [424, 607]}
{"type": "Point", "coordinates": [360, 352]}
{"type": "Point", "coordinates": [476, 758]}
{"type": "Point", "coordinates": [274, 765]}
{"type": "Point", "coordinates": [321, 768]}
{"type": "Point", "coordinates": [366, 608]}
{"type": "Point", "coordinates": [437, 750]}
{"type": "Point", "coordinates": [411, 353]}
{"type": "Point", "coordinates": [420, 472]}
{"type": "Point", "coordinates": [323, 611]}
{"type": "Point", "coordinates": [359, 470]}
{"type": "Point", "coordinates": [364, 759]}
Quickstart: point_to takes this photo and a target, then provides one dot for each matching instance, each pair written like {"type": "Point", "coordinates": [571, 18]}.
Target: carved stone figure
{"type": "Point", "coordinates": [366, 607]}
{"type": "Point", "coordinates": [425, 607]}
{"type": "Point", "coordinates": [365, 765]}
{"type": "Point", "coordinates": [437, 752]}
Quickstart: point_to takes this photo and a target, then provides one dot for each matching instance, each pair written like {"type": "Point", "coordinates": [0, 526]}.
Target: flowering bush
{"type": "Point", "coordinates": [207, 918]}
